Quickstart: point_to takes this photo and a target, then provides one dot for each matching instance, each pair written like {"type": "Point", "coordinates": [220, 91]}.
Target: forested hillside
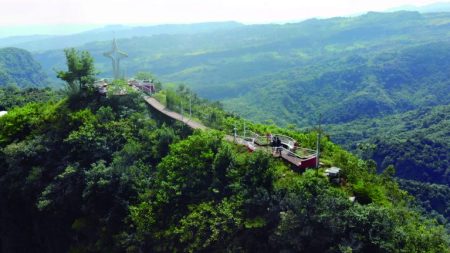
{"type": "Point", "coordinates": [17, 67]}
{"type": "Point", "coordinates": [344, 68]}
{"type": "Point", "coordinates": [12, 96]}
{"type": "Point", "coordinates": [374, 57]}
{"type": "Point", "coordinates": [434, 198]}
{"type": "Point", "coordinates": [51, 42]}
{"type": "Point", "coordinates": [92, 173]}
{"type": "Point", "coordinates": [375, 80]}
{"type": "Point", "coordinates": [417, 143]}
{"type": "Point", "coordinates": [108, 175]}
{"type": "Point", "coordinates": [353, 87]}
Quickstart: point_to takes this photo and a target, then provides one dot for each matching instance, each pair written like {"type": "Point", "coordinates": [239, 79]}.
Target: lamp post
{"type": "Point", "coordinates": [181, 111]}
{"type": "Point", "coordinates": [190, 106]}
{"type": "Point", "coordinates": [235, 134]}
{"type": "Point", "coordinates": [319, 132]}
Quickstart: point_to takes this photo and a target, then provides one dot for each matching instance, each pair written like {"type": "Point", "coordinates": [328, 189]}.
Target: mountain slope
{"type": "Point", "coordinates": [417, 142]}
{"type": "Point", "coordinates": [346, 69]}
{"type": "Point", "coordinates": [434, 7]}
{"type": "Point", "coordinates": [17, 67]}
{"type": "Point", "coordinates": [247, 60]}
{"type": "Point", "coordinates": [351, 87]}
{"type": "Point", "coordinates": [106, 174]}
{"type": "Point", "coordinates": [42, 43]}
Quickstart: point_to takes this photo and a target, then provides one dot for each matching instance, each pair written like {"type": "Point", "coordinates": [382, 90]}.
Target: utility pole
{"type": "Point", "coordinates": [319, 132]}
{"type": "Point", "coordinates": [190, 106]}
{"type": "Point", "coordinates": [181, 111]}
{"type": "Point", "coordinates": [244, 130]}
{"type": "Point", "coordinates": [235, 134]}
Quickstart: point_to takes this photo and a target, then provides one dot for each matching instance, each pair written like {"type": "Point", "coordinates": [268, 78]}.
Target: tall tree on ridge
{"type": "Point", "coordinates": [81, 71]}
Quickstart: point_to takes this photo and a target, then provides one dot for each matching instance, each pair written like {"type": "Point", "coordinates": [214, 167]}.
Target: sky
{"type": "Point", "coordinates": [88, 13]}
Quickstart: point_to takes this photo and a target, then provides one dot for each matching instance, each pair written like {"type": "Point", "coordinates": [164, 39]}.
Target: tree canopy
{"type": "Point", "coordinates": [111, 175]}
{"type": "Point", "coordinates": [80, 69]}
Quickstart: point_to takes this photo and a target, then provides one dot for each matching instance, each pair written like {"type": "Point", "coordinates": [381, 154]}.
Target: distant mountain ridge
{"type": "Point", "coordinates": [347, 69]}
{"type": "Point", "coordinates": [365, 65]}
{"type": "Point", "coordinates": [416, 142]}
{"type": "Point", "coordinates": [47, 42]}
{"type": "Point", "coordinates": [18, 67]}
{"type": "Point", "coordinates": [434, 7]}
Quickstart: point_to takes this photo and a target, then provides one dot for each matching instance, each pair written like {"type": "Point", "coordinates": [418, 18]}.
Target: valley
{"type": "Point", "coordinates": [349, 70]}
{"type": "Point", "coordinates": [93, 161]}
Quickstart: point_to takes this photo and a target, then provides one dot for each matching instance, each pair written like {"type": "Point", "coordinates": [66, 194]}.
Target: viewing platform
{"type": "Point", "coordinates": [287, 148]}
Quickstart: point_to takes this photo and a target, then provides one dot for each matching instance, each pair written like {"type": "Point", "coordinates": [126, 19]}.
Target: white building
{"type": "Point", "coordinates": [332, 172]}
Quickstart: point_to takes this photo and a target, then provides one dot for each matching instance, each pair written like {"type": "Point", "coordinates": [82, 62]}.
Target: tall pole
{"type": "Point", "coordinates": [181, 111]}
{"type": "Point", "coordinates": [235, 134]}
{"type": "Point", "coordinates": [244, 131]}
{"type": "Point", "coordinates": [319, 132]}
{"type": "Point", "coordinates": [190, 106]}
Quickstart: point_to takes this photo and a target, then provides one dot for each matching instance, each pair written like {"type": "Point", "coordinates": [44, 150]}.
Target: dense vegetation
{"type": "Point", "coordinates": [12, 96]}
{"type": "Point", "coordinates": [416, 142]}
{"type": "Point", "coordinates": [104, 178]}
{"type": "Point", "coordinates": [351, 70]}
{"type": "Point", "coordinates": [434, 198]}
{"type": "Point", "coordinates": [17, 67]}
{"type": "Point", "coordinates": [345, 68]}
{"type": "Point", "coordinates": [105, 174]}
{"type": "Point", "coordinates": [51, 42]}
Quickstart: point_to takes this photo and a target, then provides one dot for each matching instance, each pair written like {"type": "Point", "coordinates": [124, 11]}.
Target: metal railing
{"type": "Point", "coordinates": [295, 154]}
{"type": "Point", "coordinates": [254, 138]}
{"type": "Point", "coordinates": [286, 140]}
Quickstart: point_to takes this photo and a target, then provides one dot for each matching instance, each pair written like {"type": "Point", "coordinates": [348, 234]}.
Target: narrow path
{"type": "Point", "coordinates": [286, 155]}
{"type": "Point", "coordinates": [192, 124]}
{"type": "Point", "coordinates": [174, 115]}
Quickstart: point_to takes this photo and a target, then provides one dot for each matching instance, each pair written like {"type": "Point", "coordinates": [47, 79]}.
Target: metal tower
{"type": "Point", "coordinates": [115, 55]}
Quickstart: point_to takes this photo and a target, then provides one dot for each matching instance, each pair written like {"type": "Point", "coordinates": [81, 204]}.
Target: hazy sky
{"type": "Point", "coordinates": [48, 12]}
{"type": "Point", "coordinates": [26, 12]}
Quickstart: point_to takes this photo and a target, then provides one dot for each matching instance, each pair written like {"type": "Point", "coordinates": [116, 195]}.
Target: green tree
{"type": "Point", "coordinates": [145, 76]}
{"type": "Point", "coordinates": [81, 71]}
{"type": "Point", "coordinates": [208, 226]}
{"type": "Point", "coordinates": [389, 172]}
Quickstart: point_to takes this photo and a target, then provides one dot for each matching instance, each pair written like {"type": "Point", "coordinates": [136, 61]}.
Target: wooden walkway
{"type": "Point", "coordinates": [285, 154]}
{"type": "Point", "coordinates": [174, 115]}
